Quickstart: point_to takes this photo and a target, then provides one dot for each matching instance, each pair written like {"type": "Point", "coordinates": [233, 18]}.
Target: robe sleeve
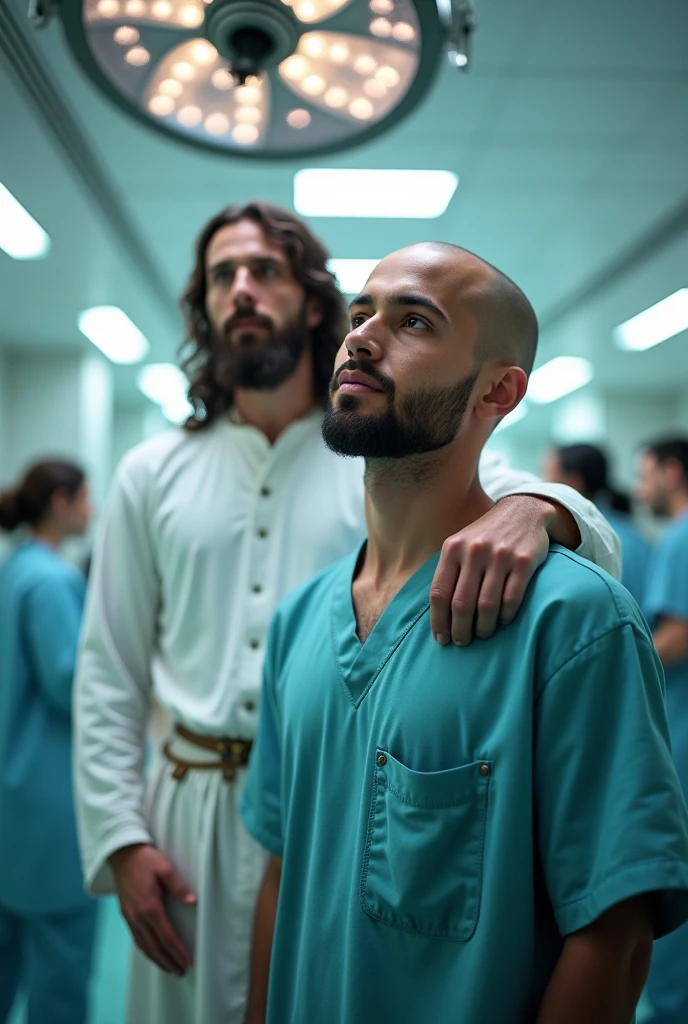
{"type": "Point", "coordinates": [599, 542]}
{"type": "Point", "coordinates": [113, 681]}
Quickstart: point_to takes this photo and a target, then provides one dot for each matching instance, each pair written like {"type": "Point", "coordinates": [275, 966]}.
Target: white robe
{"type": "Point", "coordinates": [202, 536]}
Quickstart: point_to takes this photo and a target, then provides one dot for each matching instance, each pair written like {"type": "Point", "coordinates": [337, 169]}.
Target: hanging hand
{"type": "Point", "coordinates": [484, 570]}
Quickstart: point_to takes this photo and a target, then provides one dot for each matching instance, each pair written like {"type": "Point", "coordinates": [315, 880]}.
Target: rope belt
{"type": "Point", "coordinates": [233, 754]}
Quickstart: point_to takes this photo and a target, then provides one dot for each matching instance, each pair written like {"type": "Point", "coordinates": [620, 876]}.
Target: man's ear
{"type": "Point", "coordinates": [314, 312]}
{"type": "Point", "coordinates": [502, 392]}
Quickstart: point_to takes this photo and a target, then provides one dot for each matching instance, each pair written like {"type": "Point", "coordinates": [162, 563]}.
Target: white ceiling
{"type": "Point", "coordinates": [570, 138]}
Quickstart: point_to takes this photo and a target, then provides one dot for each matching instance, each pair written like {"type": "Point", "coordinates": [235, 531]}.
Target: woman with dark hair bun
{"type": "Point", "coordinates": [585, 468]}
{"type": "Point", "coordinates": [47, 923]}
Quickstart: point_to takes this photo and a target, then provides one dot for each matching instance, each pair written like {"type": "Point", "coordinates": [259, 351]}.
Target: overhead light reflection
{"type": "Point", "coordinates": [21, 237]}
{"type": "Point", "coordinates": [110, 329]}
{"type": "Point", "coordinates": [166, 386]}
{"type": "Point", "coordinates": [655, 324]}
{"type": "Point", "coordinates": [558, 377]}
{"type": "Point", "coordinates": [338, 192]}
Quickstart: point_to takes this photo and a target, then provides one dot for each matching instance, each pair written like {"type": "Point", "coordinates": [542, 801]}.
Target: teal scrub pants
{"type": "Point", "coordinates": [50, 959]}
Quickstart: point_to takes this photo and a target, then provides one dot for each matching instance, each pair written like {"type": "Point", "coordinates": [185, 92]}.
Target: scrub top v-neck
{"type": "Point", "coordinates": [360, 664]}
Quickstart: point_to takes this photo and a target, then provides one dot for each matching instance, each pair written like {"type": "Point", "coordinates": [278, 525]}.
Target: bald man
{"type": "Point", "coordinates": [481, 835]}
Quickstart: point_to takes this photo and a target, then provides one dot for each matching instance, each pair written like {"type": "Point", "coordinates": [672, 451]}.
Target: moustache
{"type": "Point", "coordinates": [245, 315]}
{"type": "Point", "coordinates": [364, 366]}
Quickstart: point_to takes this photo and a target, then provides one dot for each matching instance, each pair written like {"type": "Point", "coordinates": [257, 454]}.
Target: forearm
{"type": "Point", "coordinates": [592, 984]}
{"type": "Point", "coordinates": [556, 519]}
{"type": "Point", "coordinates": [671, 641]}
{"type": "Point", "coordinates": [263, 931]}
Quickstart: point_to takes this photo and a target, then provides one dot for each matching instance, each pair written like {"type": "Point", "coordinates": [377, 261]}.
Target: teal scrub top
{"type": "Point", "coordinates": [447, 815]}
{"type": "Point", "coordinates": [667, 597]}
{"type": "Point", "coordinates": [41, 604]}
{"type": "Point", "coordinates": [635, 553]}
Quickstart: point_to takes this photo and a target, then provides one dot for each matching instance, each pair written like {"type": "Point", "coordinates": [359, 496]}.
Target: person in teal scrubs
{"type": "Point", "coordinates": [663, 487]}
{"type": "Point", "coordinates": [491, 834]}
{"type": "Point", "coordinates": [585, 468]}
{"type": "Point", "coordinates": [47, 923]}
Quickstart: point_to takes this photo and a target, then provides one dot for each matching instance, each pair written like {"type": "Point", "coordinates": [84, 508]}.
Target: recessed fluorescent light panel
{"type": "Point", "coordinates": [166, 385]}
{"type": "Point", "coordinates": [351, 274]}
{"type": "Point", "coordinates": [656, 324]}
{"type": "Point", "coordinates": [111, 330]}
{"type": "Point", "coordinates": [559, 377]}
{"type": "Point", "coordinates": [515, 416]}
{"type": "Point", "coordinates": [328, 192]}
{"type": "Point", "coordinates": [21, 236]}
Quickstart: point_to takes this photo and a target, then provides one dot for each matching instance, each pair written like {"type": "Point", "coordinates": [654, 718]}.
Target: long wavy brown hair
{"type": "Point", "coordinates": [307, 259]}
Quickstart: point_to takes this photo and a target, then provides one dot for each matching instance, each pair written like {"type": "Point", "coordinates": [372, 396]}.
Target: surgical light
{"type": "Point", "coordinates": [300, 55]}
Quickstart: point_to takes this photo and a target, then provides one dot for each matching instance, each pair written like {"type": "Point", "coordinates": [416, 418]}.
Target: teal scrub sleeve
{"type": "Point", "coordinates": [261, 803]}
{"type": "Point", "coordinates": [611, 819]}
{"type": "Point", "coordinates": [636, 562]}
{"type": "Point", "coordinates": [53, 613]}
{"type": "Point", "coordinates": [667, 592]}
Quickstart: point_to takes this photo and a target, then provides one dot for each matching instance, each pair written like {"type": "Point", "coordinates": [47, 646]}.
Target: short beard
{"type": "Point", "coordinates": [261, 366]}
{"type": "Point", "coordinates": [427, 419]}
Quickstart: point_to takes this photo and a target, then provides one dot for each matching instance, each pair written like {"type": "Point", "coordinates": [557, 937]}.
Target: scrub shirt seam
{"type": "Point", "coordinates": [590, 643]}
{"type": "Point", "coordinates": [595, 569]}
{"type": "Point", "coordinates": [332, 596]}
{"type": "Point", "coordinates": [369, 840]}
{"type": "Point", "coordinates": [340, 671]}
{"type": "Point", "coordinates": [263, 836]}
{"type": "Point", "coordinates": [404, 799]}
{"type": "Point", "coordinates": [615, 876]}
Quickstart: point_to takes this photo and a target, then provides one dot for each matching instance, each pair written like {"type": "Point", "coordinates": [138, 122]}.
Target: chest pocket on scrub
{"type": "Point", "coordinates": [423, 860]}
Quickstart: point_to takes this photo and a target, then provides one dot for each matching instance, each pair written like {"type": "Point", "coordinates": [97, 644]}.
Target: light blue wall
{"type": "Point", "coordinates": [41, 408]}
{"type": "Point", "coordinates": [3, 417]}
{"type": "Point", "coordinates": [55, 404]}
